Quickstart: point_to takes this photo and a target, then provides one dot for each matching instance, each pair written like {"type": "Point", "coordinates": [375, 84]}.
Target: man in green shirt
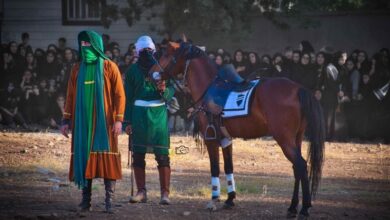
{"type": "Point", "coordinates": [146, 118]}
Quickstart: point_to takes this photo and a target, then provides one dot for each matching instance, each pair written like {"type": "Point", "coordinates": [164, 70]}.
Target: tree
{"type": "Point", "coordinates": [230, 16]}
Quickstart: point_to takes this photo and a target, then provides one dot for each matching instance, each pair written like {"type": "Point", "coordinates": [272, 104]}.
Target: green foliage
{"type": "Point", "coordinates": [231, 16]}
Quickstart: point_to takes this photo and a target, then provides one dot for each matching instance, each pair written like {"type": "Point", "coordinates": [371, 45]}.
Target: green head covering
{"type": "Point", "coordinates": [95, 50]}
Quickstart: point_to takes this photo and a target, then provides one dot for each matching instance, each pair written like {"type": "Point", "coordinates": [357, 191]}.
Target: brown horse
{"type": "Point", "coordinates": [279, 107]}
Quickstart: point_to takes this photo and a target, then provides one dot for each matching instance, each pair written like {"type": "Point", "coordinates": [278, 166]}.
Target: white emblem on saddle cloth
{"type": "Point", "coordinates": [237, 103]}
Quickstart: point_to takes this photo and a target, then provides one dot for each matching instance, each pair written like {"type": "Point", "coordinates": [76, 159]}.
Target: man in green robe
{"type": "Point", "coordinates": [146, 118]}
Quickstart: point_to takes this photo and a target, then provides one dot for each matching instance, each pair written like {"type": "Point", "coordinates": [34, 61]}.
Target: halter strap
{"type": "Point", "coordinates": [185, 71]}
{"type": "Point", "coordinates": [170, 67]}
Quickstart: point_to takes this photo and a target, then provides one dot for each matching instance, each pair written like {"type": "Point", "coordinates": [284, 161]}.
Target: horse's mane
{"type": "Point", "coordinates": [193, 52]}
{"type": "Point", "coordinates": [197, 55]}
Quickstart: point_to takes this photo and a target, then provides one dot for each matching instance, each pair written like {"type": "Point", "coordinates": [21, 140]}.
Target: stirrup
{"type": "Point", "coordinates": [210, 138]}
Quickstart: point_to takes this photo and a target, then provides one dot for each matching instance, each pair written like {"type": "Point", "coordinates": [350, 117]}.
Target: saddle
{"type": "Point", "coordinates": [227, 80]}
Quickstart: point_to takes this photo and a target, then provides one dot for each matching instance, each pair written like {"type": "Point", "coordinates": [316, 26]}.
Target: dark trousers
{"type": "Point", "coordinates": [139, 160]}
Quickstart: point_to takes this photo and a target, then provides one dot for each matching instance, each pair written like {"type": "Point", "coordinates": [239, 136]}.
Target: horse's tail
{"type": "Point", "coordinates": [312, 111]}
{"type": "Point", "coordinates": [196, 134]}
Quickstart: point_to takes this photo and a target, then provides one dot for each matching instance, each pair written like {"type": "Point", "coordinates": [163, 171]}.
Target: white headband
{"type": "Point", "coordinates": [144, 42]}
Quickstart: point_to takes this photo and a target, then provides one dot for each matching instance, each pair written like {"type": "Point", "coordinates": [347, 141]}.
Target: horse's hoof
{"type": "Point", "coordinates": [303, 216]}
{"type": "Point", "coordinates": [228, 204]}
{"type": "Point", "coordinates": [292, 213]}
{"type": "Point", "coordinates": [211, 206]}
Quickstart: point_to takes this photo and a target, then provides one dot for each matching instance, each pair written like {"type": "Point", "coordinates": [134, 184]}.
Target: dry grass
{"type": "Point", "coordinates": [355, 182]}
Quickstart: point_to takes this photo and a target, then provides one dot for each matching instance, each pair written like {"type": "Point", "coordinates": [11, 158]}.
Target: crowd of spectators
{"type": "Point", "coordinates": [351, 86]}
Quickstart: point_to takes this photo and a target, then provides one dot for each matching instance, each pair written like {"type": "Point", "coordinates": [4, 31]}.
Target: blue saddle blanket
{"type": "Point", "coordinates": [228, 97]}
{"type": "Point", "coordinates": [237, 102]}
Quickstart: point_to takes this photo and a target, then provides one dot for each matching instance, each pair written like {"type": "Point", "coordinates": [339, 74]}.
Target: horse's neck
{"type": "Point", "coordinates": [200, 75]}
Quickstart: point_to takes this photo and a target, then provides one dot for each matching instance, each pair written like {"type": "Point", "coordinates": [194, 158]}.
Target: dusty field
{"type": "Point", "coordinates": [34, 185]}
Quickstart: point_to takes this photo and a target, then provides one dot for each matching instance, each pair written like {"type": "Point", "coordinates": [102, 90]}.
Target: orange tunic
{"type": "Point", "coordinates": [101, 164]}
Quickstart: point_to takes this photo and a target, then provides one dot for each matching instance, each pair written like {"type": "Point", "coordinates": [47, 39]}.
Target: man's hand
{"type": "Point", "coordinates": [117, 128]}
{"type": "Point", "coordinates": [65, 130]}
{"type": "Point", "coordinates": [161, 86]}
{"type": "Point", "coordinates": [128, 130]}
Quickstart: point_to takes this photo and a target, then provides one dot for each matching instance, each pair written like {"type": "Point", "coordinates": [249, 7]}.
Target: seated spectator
{"type": "Point", "coordinates": [211, 55]}
{"type": "Point", "coordinates": [363, 65]}
{"type": "Point", "coordinates": [56, 111]}
{"type": "Point", "coordinates": [13, 50]}
{"type": "Point", "coordinates": [131, 50]}
{"type": "Point", "coordinates": [240, 63]}
{"type": "Point", "coordinates": [52, 88]}
{"type": "Point", "coordinates": [53, 48]}
{"type": "Point", "coordinates": [40, 57]}
{"type": "Point", "coordinates": [266, 65]}
{"type": "Point", "coordinates": [320, 65]}
{"type": "Point", "coordinates": [108, 53]}
{"type": "Point", "coordinates": [8, 70]}
{"type": "Point", "coordinates": [30, 62]}
{"type": "Point", "coordinates": [380, 69]}
{"type": "Point", "coordinates": [21, 56]}
{"type": "Point", "coordinates": [51, 68]}
{"type": "Point", "coordinates": [295, 65]}
{"type": "Point", "coordinates": [116, 56]}
{"type": "Point", "coordinates": [288, 59]}
{"type": "Point", "coordinates": [9, 107]}
{"type": "Point", "coordinates": [27, 81]}
{"type": "Point", "coordinates": [279, 66]}
{"type": "Point", "coordinates": [63, 77]}
{"type": "Point", "coordinates": [221, 51]}
{"type": "Point", "coordinates": [128, 60]}
{"type": "Point", "coordinates": [25, 41]}
{"type": "Point", "coordinates": [227, 59]}
{"type": "Point", "coordinates": [354, 56]}
{"type": "Point", "coordinates": [306, 74]}
{"type": "Point", "coordinates": [254, 70]}
{"type": "Point", "coordinates": [306, 47]}
{"type": "Point", "coordinates": [61, 45]}
{"type": "Point", "coordinates": [354, 78]}
{"type": "Point", "coordinates": [333, 91]}
{"type": "Point", "coordinates": [218, 60]}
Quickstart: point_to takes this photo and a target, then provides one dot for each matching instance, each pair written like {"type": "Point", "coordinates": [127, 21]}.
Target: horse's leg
{"type": "Point", "coordinates": [300, 175]}
{"type": "Point", "coordinates": [213, 150]}
{"type": "Point", "coordinates": [306, 196]}
{"type": "Point", "coordinates": [293, 154]}
{"type": "Point", "coordinates": [292, 210]}
{"type": "Point", "coordinates": [228, 165]}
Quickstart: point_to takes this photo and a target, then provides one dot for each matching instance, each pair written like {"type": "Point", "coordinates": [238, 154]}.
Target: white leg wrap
{"type": "Point", "coordinates": [215, 187]}
{"type": "Point", "coordinates": [231, 185]}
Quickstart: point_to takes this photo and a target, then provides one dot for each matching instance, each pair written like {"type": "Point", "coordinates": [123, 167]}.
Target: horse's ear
{"type": "Point", "coordinates": [172, 46]}
{"type": "Point", "coordinates": [184, 37]}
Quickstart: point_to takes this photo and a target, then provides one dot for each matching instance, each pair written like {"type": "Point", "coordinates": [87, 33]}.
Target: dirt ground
{"type": "Point", "coordinates": [34, 185]}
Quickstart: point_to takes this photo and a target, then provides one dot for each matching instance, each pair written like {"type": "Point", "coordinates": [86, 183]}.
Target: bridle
{"type": "Point", "coordinates": [168, 70]}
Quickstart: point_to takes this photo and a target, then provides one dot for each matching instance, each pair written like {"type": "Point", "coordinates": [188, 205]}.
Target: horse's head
{"type": "Point", "coordinates": [172, 62]}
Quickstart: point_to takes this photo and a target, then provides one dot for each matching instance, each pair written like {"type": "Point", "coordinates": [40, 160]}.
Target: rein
{"type": "Point", "coordinates": [169, 69]}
